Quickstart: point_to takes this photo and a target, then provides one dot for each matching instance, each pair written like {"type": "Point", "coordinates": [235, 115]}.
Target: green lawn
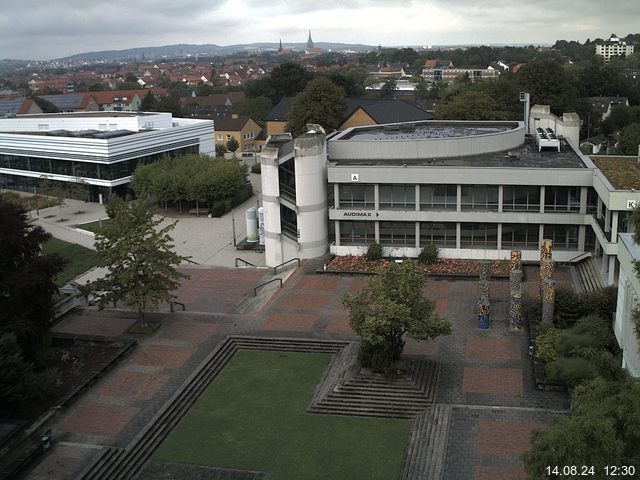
{"type": "Point", "coordinates": [252, 418]}
{"type": "Point", "coordinates": [93, 226]}
{"type": "Point", "coordinates": [79, 259]}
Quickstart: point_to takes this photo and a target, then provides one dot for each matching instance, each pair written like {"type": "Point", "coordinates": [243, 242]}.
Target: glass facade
{"type": "Point", "coordinates": [401, 234]}
{"type": "Point", "coordinates": [98, 171]}
{"type": "Point", "coordinates": [520, 235]}
{"type": "Point", "coordinates": [562, 199]}
{"type": "Point", "coordinates": [438, 197]}
{"type": "Point", "coordinates": [521, 198]}
{"type": "Point", "coordinates": [289, 222]}
{"type": "Point", "coordinates": [356, 196]}
{"type": "Point", "coordinates": [397, 196]}
{"type": "Point", "coordinates": [565, 237]}
{"type": "Point", "coordinates": [357, 233]}
{"type": "Point", "coordinates": [479, 197]}
{"type": "Point", "coordinates": [439, 234]}
{"type": "Point", "coordinates": [479, 235]}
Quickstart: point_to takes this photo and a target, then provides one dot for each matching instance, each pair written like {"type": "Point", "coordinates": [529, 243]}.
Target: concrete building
{"type": "Point", "coordinates": [614, 47]}
{"type": "Point", "coordinates": [103, 149]}
{"type": "Point", "coordinates": [628, 295]}
{"type": "Point", "coordinates": [475, 189]}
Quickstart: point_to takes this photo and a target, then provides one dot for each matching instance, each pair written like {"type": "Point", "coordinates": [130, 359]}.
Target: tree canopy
{"type": "Point", "coordinates": [320, 102]}
{"type": "Point", "coordinates": [26, 278]}
{"type": "Point", "coordinates": [603, 429]}
{"type": "Point", "coordinates": [389, 306]}
{"type": "Point", "coordinates": [138, 254]}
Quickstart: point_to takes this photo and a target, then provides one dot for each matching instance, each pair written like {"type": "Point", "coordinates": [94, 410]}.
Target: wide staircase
{"type": "Point", "coordinates": [589, 275]}
{"type": "Point", "coordinates": [425, 458]}
{"type": "Point", "coordinates": [374, 395]}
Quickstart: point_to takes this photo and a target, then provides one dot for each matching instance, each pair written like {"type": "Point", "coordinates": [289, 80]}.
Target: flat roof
{"type": "Point", "coordinates": [90, 114]}
{"type": "Point", "coordinates": [622, 172]}
{"type": "Point", "coordinates": [426, 130]}
{"type": "Point", "coordinates": [525, 156]}
{"type": "Point", "coordinates": [97, 134]}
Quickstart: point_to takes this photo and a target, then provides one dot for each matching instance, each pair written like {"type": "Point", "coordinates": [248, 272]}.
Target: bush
{"type": "Point", "coordinates": [228, 204]}
{"type": "Point", "coordinates": [568, 308]}
{"type": "Point", "coordinates": [571, 371]}
{"type": "Point", "coordinates": [570, 344]}
{"type": "Point", "coordinates": [374, 252]}
{"type": "Point", "coordinates": [546, 343]}
{"type": "Point", "coordinates": [428, 255]}
{"type": "Point", "coordinates": [243, 194]}
{"type": "Point", "coordinates": [256, 168]}
{"type": "Point", "coordinates": [217, 209]}
{"type": "Point", "coordinates": [381, 358]}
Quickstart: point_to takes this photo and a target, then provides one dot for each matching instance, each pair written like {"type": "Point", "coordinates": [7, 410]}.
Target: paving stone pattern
{"type": "Point", "coordinates": [478, 368]}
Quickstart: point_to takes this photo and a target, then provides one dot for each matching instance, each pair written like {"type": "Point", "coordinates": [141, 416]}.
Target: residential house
{"type": "Point", "coordinates": [210, 106]}
{"type": "Point", "coordinates": [18, 106]}
{"type": "Point", "coordinates": [241, 127]}
{"type": "Point", "coordinates": [72, 102]}
{"type": "Point", "coordinates": [606, 104]}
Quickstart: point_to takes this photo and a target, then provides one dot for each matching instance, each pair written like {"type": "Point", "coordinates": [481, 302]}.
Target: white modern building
{"type": "Point", "coordinates": [614, 47]}
{"type": "Point", "coordinates": [628, 295]}
{"type": "Point", "coordinates": [475, 189]}
{"type": "Point", "coordinates": [101, 148]}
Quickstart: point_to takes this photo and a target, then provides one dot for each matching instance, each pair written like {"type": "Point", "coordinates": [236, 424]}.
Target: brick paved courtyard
{"type": "Point", "coordinates": [480, 370]}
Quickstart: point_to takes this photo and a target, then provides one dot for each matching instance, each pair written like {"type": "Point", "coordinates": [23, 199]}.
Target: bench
{"type": "Point", "coordinates": [199, 211]}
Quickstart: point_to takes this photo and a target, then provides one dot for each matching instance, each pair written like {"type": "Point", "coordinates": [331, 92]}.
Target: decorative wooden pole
{"type": "Point", "coordinates": [483, 314]}
{"type": "Point", "coordinates": [515, 260]}
{"type": "Point", "coordinates": [515, 310]}
{"type": "Point", "coordinates": [485, 271]}
{"type": "Point", "coordinates": [548, 300]}
{"type": "Point", "coordinates": [546, 248]}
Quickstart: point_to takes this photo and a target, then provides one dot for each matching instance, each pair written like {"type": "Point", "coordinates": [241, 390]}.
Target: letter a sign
{"type": "Point", "coordinates": [355, 177]}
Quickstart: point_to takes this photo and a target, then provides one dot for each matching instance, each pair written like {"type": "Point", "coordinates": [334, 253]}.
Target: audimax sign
{"type": "Point", "coordinates": [360, 214]}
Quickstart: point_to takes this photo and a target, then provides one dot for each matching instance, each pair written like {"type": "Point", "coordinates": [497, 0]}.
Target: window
{"type": "Point", "coordinates": [228, 137]}
{"type": "Point", "coordinates": [562, 199]}
{"type": "Point", "coordinates": [479, 197]}
{"type": "Point", "coordinates": [521, 198]}
{"type": "Point", "coordinates": [440, 234]}
{"type": "Point", "coordinates": [401, 234]}
{"type": "Point", "coordinates": [398, 196]}
{"type": "Point", "coordinates": [356, 196]}
{"type": "Point", "coordinates": [438, 197]}
{"type": "Point", "coordinates": [592, 201]}
{"type": "Point", "coordinates": [289, 222]}
{"type": "Point", "coordinates": [565, 237]}
{"type": "Point", "coordinates": [520, 235]}
{"type": "Point", "coordinates": [483, 235]}
{"type": "Point", "coordinates": [220, 138]}
{"type": "Point", "coordinates": [357, 233]}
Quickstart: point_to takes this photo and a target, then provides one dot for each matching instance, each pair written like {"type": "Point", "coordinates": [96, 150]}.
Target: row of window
{"type": "Point", "coordinates": [102, 171]}
{"type": "Point", "coordinates": [473, 197]}
{"type": "Point", "coordinates": [472, 235]}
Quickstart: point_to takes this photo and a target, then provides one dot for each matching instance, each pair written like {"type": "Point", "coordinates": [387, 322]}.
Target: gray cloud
{"type": "Point", "coordinates": [56, 28]}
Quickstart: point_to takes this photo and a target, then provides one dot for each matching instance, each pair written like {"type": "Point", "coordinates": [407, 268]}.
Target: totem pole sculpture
{"type": "Point", "coordinates": [548, 300]}
{"type": "Point", "coordinates": [483, 300]}
{"type": "Point", "coordinates": [515, 306]}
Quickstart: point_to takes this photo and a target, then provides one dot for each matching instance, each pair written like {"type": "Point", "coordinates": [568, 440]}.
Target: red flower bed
{"type": "Point", "coordinates": [445, 266]}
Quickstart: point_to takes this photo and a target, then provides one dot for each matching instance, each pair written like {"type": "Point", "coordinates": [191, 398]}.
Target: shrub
{"type": "Point", "coordinates": [242, 194]}
{"type": "Point", "coordinates": [374, 252]}
{"type": "Point", "coordinates": [571, 371]}
{"type": "Point", "coordinates": [597, 327]}
{"type": "Point", "coordinates": [570, 344]}
{"type": "Point", "coordinates": [256, 168]}
{"type": "Point", "coordinates": [568, 308]}
{"type": "Point", "coordinates": [546, 343]}
{"type": "Point", "coordinates": [428, 255]}
{"type": "Point", "coordinates": [217, 209]}
{"type": "Point", "coordinates": [228, 204]}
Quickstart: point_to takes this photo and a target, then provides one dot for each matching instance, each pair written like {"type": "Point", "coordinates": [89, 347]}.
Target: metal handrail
{"type": "Point", "coordinates": [243, 261]}
{"type": "Point", "coordinates": [579, 257]}
{"type": "Point", "coordinates": [255, 289]}
{"type": "Point", "coordinates": [275, 269]}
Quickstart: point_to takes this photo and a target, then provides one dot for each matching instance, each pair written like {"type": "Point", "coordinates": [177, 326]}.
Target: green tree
{"type": "Point", "coordinates": [320, 102]}
{"type": "Point", "coordinates": [548, 84]}
{"type": "Point", "coordinates": [603, 429]}
{"type": "Point", "coordinates": [26, 278]}
{"type": "Point", "coordinates": [389, 306]}
{"type": "Point", "coordinates": [257, 108]}
{"type": "Point", "coordinates": [20, 383]}
{"type": "Point", "coordinates": [388, 89]}
{"type": "Point", "coordinates": [140, 259]}
{"type": "Point", "coordinates": [149, 103]}
{"type": "Point", "coordinates": [630, 139]}
{"type": "Point", "coordinates": [470, 105]}
{"type": "Point", "coordinates": [232, 144]}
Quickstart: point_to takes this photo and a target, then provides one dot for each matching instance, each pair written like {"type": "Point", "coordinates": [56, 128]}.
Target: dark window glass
{"type": "Point", "coordinates": [479, 197]}
{"type": "Point", "coordinates": [357, 233]}
{"type": "Point", "coordinates": [565, 237]}
{"type": "Point", "coordinates": [562, 199]}
{"type": "Point", "coordinates": [520, 235]}
{"type": "Point", "coordinates": [356, 196]}
{"type": "Point", "coordinates": [484, 235]}
{"type": "Point", "coordinates": [438, 197]}
{"type": "Point", "coordinates": [398, 196]}
{"type": "Point", "coordinates": [439, 234]}
{"type": "Point", "coordinates": [398, 233]}
{"type": "Point", "coordinates": [521, 198]}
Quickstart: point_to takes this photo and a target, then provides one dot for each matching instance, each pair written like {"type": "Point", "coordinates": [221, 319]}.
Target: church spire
{"type": "Point", "coordinates": [280, 48]}
{"type": "Point", "coordinates": [310, 42]}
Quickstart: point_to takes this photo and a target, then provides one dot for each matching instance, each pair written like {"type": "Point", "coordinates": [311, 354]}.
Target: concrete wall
{"type": "Point", "coordinates": [428, 147]}
{"type": "Point", "coordinates": [628, 294]}
{"type": "Point", "coordinates": [568, 126]}
{"type": "Point", "coordinates": [270, 202]}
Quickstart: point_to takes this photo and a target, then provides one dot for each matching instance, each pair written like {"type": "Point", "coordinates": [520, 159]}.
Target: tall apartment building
{"type": "Point", "coordinates": [614, 47]}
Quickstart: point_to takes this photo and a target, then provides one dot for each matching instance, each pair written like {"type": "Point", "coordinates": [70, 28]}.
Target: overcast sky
{"type": "Point", "coordinates": [46, 29]}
